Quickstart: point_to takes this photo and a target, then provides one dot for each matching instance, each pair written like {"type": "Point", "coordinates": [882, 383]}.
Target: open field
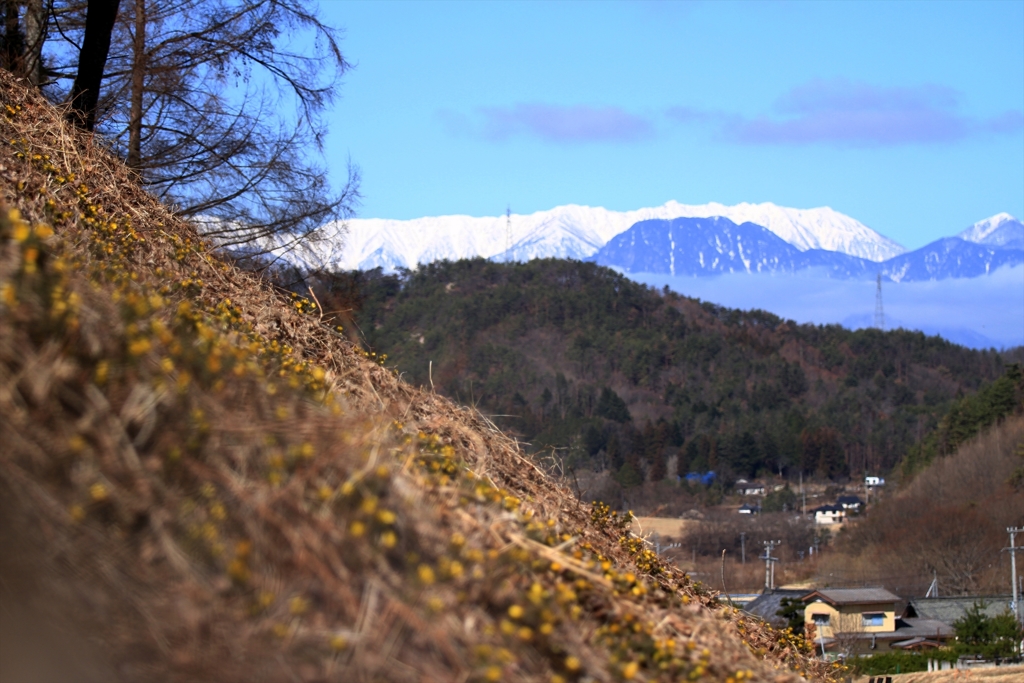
{"type": "Point", "coordinates": [999, 674]}
{"type": "Point", "coordinates": [663, 526]}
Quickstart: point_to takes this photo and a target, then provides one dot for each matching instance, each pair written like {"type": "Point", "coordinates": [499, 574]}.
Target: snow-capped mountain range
{"type": "Point", "coordinates": [678, 239]}
{"type": "Point", "coordinates": [715, 246]}
{"type": "Point", "coordinates": [570, 231]}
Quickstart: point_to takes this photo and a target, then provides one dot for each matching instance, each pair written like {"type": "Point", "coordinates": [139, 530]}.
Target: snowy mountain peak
{"type": "Point", "coordinates": [1001, 230]}
{"type": "Point", "coordinates": [818, 228]}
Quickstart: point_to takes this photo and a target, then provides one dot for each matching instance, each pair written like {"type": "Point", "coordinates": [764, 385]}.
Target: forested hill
{"type": "Point", "coordinates": [573, 355]}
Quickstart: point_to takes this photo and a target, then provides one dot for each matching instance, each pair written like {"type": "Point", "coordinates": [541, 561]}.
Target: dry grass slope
{"type": "Point", "coordinates": [200, 481]}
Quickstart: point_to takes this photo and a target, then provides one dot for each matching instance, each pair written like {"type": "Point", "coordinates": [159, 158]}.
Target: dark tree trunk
{"type": "Point", "coordinates": [85, 94]}
{"type": "Point", "coordinates": [13, 43]}
{"type": "Point", "coordinates": [139, 67]}
{"type": "Point", "coordinates": [35, 35]}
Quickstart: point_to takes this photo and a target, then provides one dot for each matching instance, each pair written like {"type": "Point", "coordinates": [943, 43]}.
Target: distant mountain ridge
{"type": "Point", "coordinates": [714, 246]}
{"type": "Point", "coordinates": [678, 239]}
{"type": "Point", "coordinates": [570, 231]}
{"type": "Point", "coordinates": [1001, 230]}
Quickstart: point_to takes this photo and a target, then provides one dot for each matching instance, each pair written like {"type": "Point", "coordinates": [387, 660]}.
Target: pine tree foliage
{"type": "Point", "coordinates": [661, 383]}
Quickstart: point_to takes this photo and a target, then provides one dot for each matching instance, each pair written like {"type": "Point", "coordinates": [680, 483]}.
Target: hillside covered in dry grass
{"type": "Point", "coordinates": [948, 523]}
{"type": "Point", "coordinates": [201, 481]}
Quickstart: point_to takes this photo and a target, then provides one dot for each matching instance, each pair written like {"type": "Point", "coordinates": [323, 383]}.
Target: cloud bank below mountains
{"type": "Point", "coordinates": [978, 312]}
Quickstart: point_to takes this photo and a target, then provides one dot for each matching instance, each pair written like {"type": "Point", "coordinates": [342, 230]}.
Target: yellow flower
{"type": "Point", "coordinates": [369, 505]}
{"type": "Point", "coordinates": [298, 605]}
{"type": "Point", "coordinates": [98, 492]}
{"type": "Point", "coordinates": [426, 574]}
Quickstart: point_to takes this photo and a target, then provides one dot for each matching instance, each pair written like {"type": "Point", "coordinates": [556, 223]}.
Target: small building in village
{"type": "Point", "coordinates": [852, 504]}
{"type": "Point", "coordinates": [861, 621]}
{"type": "Point", "coordinates": [829, 514]}
{"type": "Point", "coordinates": [749, 488]}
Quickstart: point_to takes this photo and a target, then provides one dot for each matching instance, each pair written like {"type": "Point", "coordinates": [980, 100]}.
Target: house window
{"type": "Point", "coordinates": [872, 619]}
{"type": "Point", "coordinates": [820, 619]}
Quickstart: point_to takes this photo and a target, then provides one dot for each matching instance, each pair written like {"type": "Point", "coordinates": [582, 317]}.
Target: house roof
{"type": "Point", "coordinates": [849, 500]}
{"type": "Point", "coordinates": [916, 643]}
{"type": "Point", "coordinates": [852, 596]}
{"type": "Point", "coordinates": [950, 609]}
{"type": "Point", "coordinates": [768, 603]}
{"type": "Point", "coordinates": [924, 628]}
{"type": "Point", "coordinates": [908, 630]}
{"type": "Point", "coordinates": [828, 508]}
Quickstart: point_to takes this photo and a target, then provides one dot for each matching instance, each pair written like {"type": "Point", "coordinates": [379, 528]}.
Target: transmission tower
{"type": "Point", "coordinates": [508, 233]}
{"type": "Point", "coordinates": [879, 313]}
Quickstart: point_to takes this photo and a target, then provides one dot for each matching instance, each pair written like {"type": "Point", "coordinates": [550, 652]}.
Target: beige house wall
{"type": "Point", "coordinates": [849, 618]}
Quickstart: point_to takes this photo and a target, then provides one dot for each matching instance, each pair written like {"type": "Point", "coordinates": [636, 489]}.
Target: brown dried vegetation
{"type": "Point", "coordinates": [201, 481]}
{"type": "Point", "coordinates": [949, 522]}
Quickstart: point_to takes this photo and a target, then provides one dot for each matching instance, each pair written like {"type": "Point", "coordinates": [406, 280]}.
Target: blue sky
{"type": "Point", "coordinates": [908, 116]}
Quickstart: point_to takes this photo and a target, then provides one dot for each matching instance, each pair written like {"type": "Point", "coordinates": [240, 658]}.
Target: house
{"type": "Point", "coordinates": [751, 488]}
{"type": "Point", "coordinates": [872, 482]}
{"type": "Point", "coordinates": [951, 609]}
{"type": "Point", "coordinates": [766, 606]}
{"type": "Point", "coordinates": [829, 514]}
{"type": "Point", "coordinates": [747, 509]}
{"type": "Point", "coordinates": [858, 621]}
{"type": "Point", "coordinates": [852, 504]}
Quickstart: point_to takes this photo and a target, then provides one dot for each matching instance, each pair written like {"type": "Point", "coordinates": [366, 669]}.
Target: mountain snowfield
{"type": "Point", "coordinates": [703, 247]}
{"type": "Point", "coordinates": [1001, 230]}
{"type": "Point", "coordinates": [570, 231]}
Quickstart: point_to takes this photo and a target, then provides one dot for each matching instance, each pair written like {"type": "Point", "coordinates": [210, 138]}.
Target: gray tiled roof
{"type": "Point", "coordinates": [767, 604]}
{"type": "Point", "coordinates": [926, 628]}
{"type": "Point", "coordinates": [951, 609]}
{"type": "Point", "coordinates": [853, 596]}
{"type": "Point", "coordinates": [909, 628]}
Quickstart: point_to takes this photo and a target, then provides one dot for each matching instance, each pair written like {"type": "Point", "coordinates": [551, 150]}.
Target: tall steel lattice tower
{"type": "Point", "coordinates": [508, 233]}
{"type": "Point", "coordinates": [879, 312]}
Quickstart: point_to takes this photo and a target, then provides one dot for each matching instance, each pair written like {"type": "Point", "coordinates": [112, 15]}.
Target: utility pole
{"type": "Point", "coordinates": [803, 494]}
{"type": "Point", "coordinates": [769, 564]}
{"type": "Point", "coordinates": [1013, 550]}
{"type": "Point", "coordinates": [743, 547]}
